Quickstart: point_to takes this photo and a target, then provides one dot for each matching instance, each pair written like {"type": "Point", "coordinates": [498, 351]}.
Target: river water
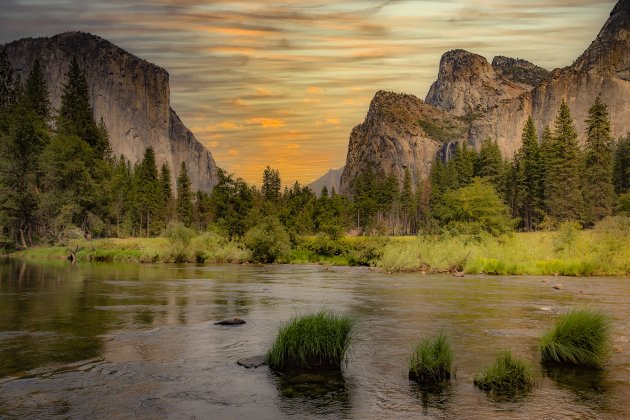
{"type": "Point", "coordinates": [139, 341]}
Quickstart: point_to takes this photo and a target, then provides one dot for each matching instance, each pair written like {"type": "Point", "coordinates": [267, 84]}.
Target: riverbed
{"type": "Point", "coordinates": [139, 341]}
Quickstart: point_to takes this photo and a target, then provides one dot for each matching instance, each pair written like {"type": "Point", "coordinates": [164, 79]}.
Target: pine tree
{"type": "Point", "coordinates": [165, 184]}
{"type": "Point", "coordinates": [407, 212]}
{"type": "Point", "coordinates": [622, 165]}
{"type": "Point", "coordinates": [76, 117]}
{"type": "Point", "coordinates": [545, 153]}
{"type": "Point", "coordinates": [529, 177]}
{"type": "Point", "coordinates": [35, 95]}
{"type": "Point", "coordinates": [148, 194]}
{"type": "Point", "coordinates": [562, 184]}
{"type": "Point", "coordinates": [271, 184]}
{"type": "Point", "coordinates": [598, 189]}
{"type": "Point", "coordinates": [6, 83]}
{"type": "Point", "coordinates": [184, 206]}
{"type": "Point", "coordinates": [489, 162]}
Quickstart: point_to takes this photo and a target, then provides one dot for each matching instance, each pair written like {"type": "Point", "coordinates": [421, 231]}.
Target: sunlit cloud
{"type": "Point", "coordinates": [283, 83]}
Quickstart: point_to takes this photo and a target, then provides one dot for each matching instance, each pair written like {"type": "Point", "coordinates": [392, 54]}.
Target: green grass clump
{"type": "Point", "coordinates": [431, 360]}
{"type": "Point", "coordinates": [580, 337]}
{"type": "Point", "coordinates": [312, 341]}
{"type": "Point", "coordinates": [508, 374]}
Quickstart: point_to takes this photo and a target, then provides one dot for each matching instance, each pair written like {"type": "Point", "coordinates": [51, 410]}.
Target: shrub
{"type": "Point", "coordinates": [508, 374]}
{"type": "Point", "coordinates": [269, 241]}
{"type": "Point", "coordinates": [312, 341]}
{"type": "Point", "coordinates": [431, 360]}
{"type": "Point", "coordinates": [580, 337]}
{"type": "Point", "coordinates": [566, 237]}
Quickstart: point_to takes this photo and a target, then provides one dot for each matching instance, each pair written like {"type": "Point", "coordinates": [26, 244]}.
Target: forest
{"type": "Point", "coordinates": [59, 181]}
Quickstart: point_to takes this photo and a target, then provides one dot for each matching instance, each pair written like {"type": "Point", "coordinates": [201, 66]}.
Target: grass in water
{"type": "Point", "coordinates": [508, 374]}
{"type": "Point", "coordinates": [580, 337]}
{"type": "Point", "coordinates": [431, 360]}
{"type": "Point", "coordinates": [312, 341]}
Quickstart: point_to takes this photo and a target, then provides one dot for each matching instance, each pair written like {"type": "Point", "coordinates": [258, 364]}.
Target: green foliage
{"type": "Point", "coordinates": [432, 360]}
{"type": "Point", "coordinates": [475, 209]}
{"type": "Point", "coordinates": [489, 163]}
{"type": "Point", "coordinates": [148, 212]}
{"type": "Point", "coordinates": [230, 203]}
{"type": "Point", "coordinates": [598, 189]}
{"type": "Point", "coordinates": [562, 182]}
{"type": "Point", "coordinates": [268, 241]}
{"type": "Point", "coordinates": [271, 184]}
{"type": "Point", "coordinates": [312, 341]}
{"type": "Point", "coordinates": [621, 167]}
{"type": "Point", "coordinates": [442, 130]}
{"type": "Point", "coordinates": [529, 178]}
{"type": "Point", "coordinates": [180, 238]}
{"type": "Point", "coordinates": [507, 375]}
{"type": "Point", "coordinates": [566, 237]}
{"type": "Point", "coordinates": [184, 205]}
{"type": "Point", "coordinates": [580, 337]}
{"type": "Point", "coordinates": [623, 207]}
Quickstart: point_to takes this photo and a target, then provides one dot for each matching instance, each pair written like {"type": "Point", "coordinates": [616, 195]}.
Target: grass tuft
{"type": "Point", "coordinates": [580, 337]}
{"type": "Point", "coordinates": [431, 360]}
{"type": "Point", "coordinates": [312, 341]}
{"type": "Point", "coordinates": [508, 374]}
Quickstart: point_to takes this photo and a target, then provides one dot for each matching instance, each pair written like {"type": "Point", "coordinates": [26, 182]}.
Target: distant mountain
{"type": "Point", "coordinates": [494, 101]}
{"type": "Point", "coordinates": [130, 94]}
{"type": "Point", "coordinates": [329, 180]}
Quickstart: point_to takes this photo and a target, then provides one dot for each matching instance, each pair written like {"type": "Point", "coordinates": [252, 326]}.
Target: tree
{"type": "Point", "coordinates": [184, 206]}
{"type": "Point", "coordinates": [474, 209]}
{"type": "Point", "coordinates": [489, 162]}
{"type": "Point", "coordinates": [148, 194]}
{"type": "Point", "coordinates": [7, 96]}
{"type": "Point", "coordinates": [231, 202]}
{"type": "Point", "coordinates": [562, 183]}
{"type": "Point", "coordinates": [598, 189]}
{"type": "Point", "coordinates": [529, 177]}
{"type": "Point", "coordinates": [407, 207]}
{"type": "Point", "coordinates": [271, 184]}
{"type": "Point", "coordinates": [622, 165]}
{"type": "Point", "coordinates": [76, 117]}
{"type": "Point", "coordinates": [545, 155]}
{"type": "Point", "coordinates": [35, 95]}
{"type": "Point", "coordinates": [268, 241]}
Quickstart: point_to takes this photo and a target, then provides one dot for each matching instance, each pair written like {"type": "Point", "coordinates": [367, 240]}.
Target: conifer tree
{"type": "Point", "coordinates": [562, 183]}
{"type": "Point", "coordinates": [271, 184]}
{"type": "Point", "coordinates": [76, 117]}
{"type": "Point", "coordinates": [529, 177]}
{"type": "Point", "coordinates": [184, 206]}
{"type": "Point", "coordinates": [598, 189]}
{"type": "Point", "coordinates": [489, 163]}
{"type": "Point", "coordinates": [6, 83]}
{"type": "Point", "coordinates": [35, 95]}
{"type": "Point", "coordinates": [545, 152]}
{"type": "Point", "coordinates": [407, 205]}
{"type": "Point", "coordinates": [165, 184]}
{"type": "Point", "coordinates": [622, 165]}
{"type": "Point", "coordinates": [148, 194]}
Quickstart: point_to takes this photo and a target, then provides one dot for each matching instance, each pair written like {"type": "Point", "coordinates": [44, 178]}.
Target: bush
{"type": "Point", "coordinates": [580, 337]}
{"type": "Point", "coordinates": [180, 238]}
{"type": "Point", "coordinates": [566, 237]}
{"type": "Point", "coordinates": [508, 374]}
{"type": "Point", "coordinates": [313, 341]}
{"type": "Point", "coordinates": [431, 360]}
{"type": "Point", "coordinates": [268, 242]}
{"type": "Point", "coordinates": [326, 246]}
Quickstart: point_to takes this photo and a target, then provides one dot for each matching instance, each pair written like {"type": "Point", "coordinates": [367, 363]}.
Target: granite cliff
{"type": "Point", "coordinates": [130, 94]}
{"type": "Point", "coordinates": [330, 180]}
{"type": "Point", "coordinates": [494, 100]}
{"type": "Point", "coordinates": [400, 132]}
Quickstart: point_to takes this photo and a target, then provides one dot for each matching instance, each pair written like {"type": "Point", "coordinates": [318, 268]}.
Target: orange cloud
{"type": "Point", "coordinates": [266, 122]}
{"type": "Point", "coordinates": [233, 152]}
{"type": "Point", "coordinates": [314, 90]}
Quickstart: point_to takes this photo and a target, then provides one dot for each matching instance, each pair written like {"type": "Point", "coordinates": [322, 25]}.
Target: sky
{"type": "Point", "coordinates": [282, 83]}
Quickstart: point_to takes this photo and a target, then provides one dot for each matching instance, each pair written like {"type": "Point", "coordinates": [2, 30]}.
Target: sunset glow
{"type": "Point", "coordinates": [283, 83]}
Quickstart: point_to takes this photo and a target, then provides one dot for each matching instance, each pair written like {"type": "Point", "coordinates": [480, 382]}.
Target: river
{"type": "Point", "coordinates": [139, 341]}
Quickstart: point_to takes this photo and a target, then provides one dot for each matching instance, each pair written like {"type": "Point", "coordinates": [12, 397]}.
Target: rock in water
{"type": "Point", "coordinates": [130, 94]}
{"type": "Point", "coordinates": [233, 321]}
{"type": "Point", "coordinates": [253, 362]}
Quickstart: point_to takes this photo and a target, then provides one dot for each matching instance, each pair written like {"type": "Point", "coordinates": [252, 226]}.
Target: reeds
{"type": "Point", "coordinates": [580, 337]}
{"type": "Point", "coordinates": [312, 341]}
{"type": "Point", "coordinates": [432, 360]}
{"type": "Point", "coordinates": [508, 374]}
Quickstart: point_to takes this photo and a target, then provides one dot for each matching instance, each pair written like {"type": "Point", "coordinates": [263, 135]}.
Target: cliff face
{"type": "Point", "coordinates": [130, 94]}
{"type": "Point", "coordinates": [400, 132]}
{"type": "Point", "coordinates": [603, 69]}
{"type": "Point", "coordinates": [492, 101]}
{"type": "Point", "coordinates": [330, 180]}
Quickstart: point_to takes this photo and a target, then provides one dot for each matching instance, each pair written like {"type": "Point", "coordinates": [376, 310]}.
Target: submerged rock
{"type": "Point", "coordinates": [558, 286]}
{"type": "Point", "coordinates": [233, 321]}
{"type": "Point", "coordinates": [253, 362]}
{"type": "Point", "coordinates": [458, 274]}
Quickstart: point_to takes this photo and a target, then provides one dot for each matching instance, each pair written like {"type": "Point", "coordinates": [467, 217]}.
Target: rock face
{"type": "Point", "coordinates": [330, 180]}
{"type": "Point", "coordinates": [492, 101]}
{"type": "Point", "coordinates": [400, 132]}
{"type": "Point", "coordinates": [603, 69]}
{"type": "Point", "coordinates": [130, 94]}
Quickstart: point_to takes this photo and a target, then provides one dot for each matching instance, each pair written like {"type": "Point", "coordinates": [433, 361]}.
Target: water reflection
{"type": "Point", "coordinates": [589, 386]}
{"type": "Point", "coordinates": [434, 396]}
{"type": "Point", "coordinates": [306, 392]}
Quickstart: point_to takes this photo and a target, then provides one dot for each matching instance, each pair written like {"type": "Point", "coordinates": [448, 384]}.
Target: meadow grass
{"type": "Point", "coordinates": [580, 337]}
{"type": "Point", "coordinates": [431, 360]}
{"type": "Point", "coordinates": [313, 341]}
{"type": "Point", "coordinates": [508, 374]}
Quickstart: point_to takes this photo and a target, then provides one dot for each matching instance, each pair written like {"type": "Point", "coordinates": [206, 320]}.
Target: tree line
{"type": "Point", "coordinates": [59, 180]}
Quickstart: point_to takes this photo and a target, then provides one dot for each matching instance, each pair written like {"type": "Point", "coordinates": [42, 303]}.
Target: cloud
{"type": "Point", "coordinates": [314, 90]}
{"type": "Point", "coordinates": [266, 122]}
